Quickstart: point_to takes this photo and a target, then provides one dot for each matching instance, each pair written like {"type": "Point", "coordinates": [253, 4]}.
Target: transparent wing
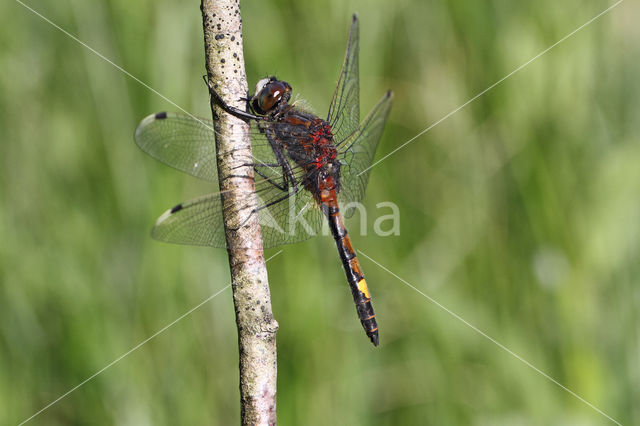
{"type": "Point", "coordinates": [194, 222]}
{"type": "Point", "coordinates": [296, 219]}
{"type": "Point", "coordinates": [180, 141]}
{"type": "Point", "coordinates": [287, 213]}
{"type": "Point", "coordinates": [283, 220]}
{"type": "Point", "coordinates": [344, 110]}
{"type": "Point", "coordinates": [358, 152]}
{"type": "Point", "coordinates": [187, 143]}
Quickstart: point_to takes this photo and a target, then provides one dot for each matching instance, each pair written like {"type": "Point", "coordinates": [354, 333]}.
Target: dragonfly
{"type": "Point", "coordinates": [305, 168]}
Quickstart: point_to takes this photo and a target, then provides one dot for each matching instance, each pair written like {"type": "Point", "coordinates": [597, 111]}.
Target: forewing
{"type": "Point", "coordinates": [358, 152]}
{"type": "Point", "coordinates": [187, 143]}
{"type": "Point", "coordinates": [180, 141]}
{"type": "Point", "coordinates": [344, 111]}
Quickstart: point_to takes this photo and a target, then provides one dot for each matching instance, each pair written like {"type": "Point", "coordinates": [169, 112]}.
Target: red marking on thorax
{"type": "Point", "coordinates": [318, 143]}
{"type": "Point", "coordinates": [324, 149]}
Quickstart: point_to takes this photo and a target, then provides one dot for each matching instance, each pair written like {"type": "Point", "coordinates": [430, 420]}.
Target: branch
{"type": "Point", "coordinates": [256, 326]}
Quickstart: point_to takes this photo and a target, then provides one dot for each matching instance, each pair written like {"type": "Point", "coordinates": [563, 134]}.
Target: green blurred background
{"type": "Point", "coordinates": [520, 213]}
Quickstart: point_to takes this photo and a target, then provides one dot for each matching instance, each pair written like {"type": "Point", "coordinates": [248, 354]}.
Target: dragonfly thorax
{"type": "Point", "coordinates": [323, 160]}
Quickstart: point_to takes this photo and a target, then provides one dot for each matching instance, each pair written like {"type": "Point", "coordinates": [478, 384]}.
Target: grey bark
{"type": "Point", "coordinates": [257, 328]}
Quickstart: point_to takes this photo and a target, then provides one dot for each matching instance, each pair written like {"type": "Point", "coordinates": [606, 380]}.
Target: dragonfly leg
{"type": "Point", "coordinates": [289, 185]}
{"type": "Point", "coordinates": [287, 173]}
{"type": "Point", "coordinates": [289, 181]}
{"type": "Point", "coordinates": [282, 187]}
{"type": "Point", "coordinates": [257, 165]}
{"type": "Point", "coordinates": [270, 179]}
{"type": "Point", "coordinates": [228, 108]}
{"type": "Point", "coordinates": [289, 194]}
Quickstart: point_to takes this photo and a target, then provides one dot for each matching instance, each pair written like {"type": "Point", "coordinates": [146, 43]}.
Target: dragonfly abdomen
{"type": "Point", "coordinates": [355, 277]}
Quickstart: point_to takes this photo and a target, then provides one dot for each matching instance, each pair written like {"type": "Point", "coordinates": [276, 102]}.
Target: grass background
{"type": "Point", "coordinates": [520, 213]}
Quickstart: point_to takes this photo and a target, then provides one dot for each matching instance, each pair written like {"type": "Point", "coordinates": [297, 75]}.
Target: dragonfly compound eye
{"type": "Point", "coordinates": [269, 93]}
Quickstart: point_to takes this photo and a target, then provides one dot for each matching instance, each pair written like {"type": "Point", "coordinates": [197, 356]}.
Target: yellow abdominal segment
{"type": "Point", "coordinates": [362, 286]}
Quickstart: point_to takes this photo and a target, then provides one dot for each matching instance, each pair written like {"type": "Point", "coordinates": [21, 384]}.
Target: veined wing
{"type": "Point", "coordinates": [344, 110]}
{"type": "Point", "coordinates": [187, 143]}
{"type": "Point", "coordinates": [195, 222]}
{"type": "Point", "coordinates": [180, 141]}
{"type": "Point", "coordinates": [357, 153]}
{"type": "Point", "coordinates": [285, 216]}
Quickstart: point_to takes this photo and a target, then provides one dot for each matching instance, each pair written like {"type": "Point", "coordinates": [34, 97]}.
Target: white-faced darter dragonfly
{"type": "Point", "coordinates": [303, 166]}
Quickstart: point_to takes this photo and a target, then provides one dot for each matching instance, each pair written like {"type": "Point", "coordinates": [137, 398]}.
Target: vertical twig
{"type": "Point", "coordinates": [256, 327]}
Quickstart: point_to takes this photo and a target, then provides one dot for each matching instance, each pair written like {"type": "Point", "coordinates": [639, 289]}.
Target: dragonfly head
{"type": "Point", "coordinates": [270, 93]}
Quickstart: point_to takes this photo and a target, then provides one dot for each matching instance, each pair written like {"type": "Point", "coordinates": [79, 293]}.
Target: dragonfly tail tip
{"type": "Point", "coordinates": [374, 339]}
